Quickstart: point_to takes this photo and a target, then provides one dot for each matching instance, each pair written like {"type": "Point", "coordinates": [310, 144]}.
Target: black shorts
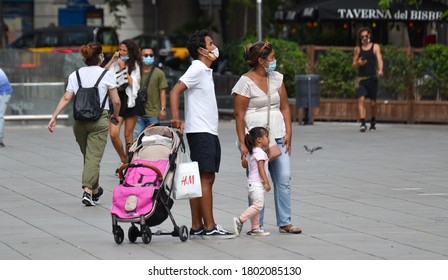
{"type": "Point", "coordinates": [125, 112]}
{"type": "Point", "coordinates": [206, 150]}
{"type": "Point", "coordinates": [368, 88]}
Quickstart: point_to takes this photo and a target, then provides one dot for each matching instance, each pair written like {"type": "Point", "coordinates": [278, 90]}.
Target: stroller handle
{"type": "Point", "coordinates": [147, 165]}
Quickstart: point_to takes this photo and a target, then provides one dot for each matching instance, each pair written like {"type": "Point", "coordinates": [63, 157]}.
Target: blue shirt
{"type": "Point", "coordinates": [5, 87]}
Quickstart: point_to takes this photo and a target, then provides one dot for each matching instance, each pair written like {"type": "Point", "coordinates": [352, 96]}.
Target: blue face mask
{"type": "Point", "coordinates": [148, 60]}
{"type": "Point", "coordinates": [271, 67]}
{"type": "Point", "coordinates": [125, 58]}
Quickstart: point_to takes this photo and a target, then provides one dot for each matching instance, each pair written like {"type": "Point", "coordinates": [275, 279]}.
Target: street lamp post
{"type": "Point", "coordinates": [156, 18]}
{"type": "Point", "coordinates": [259, 20]}
{"type": "Point", "coordinates": [2, 28]}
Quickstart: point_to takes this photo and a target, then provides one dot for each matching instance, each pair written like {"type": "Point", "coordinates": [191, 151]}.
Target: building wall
{"type": "Point", "coordinates": [133, 21]}
{"type": "Point", "coordinates": [171, 14]}
{"type": "Point", "coordinates": [46, 13]}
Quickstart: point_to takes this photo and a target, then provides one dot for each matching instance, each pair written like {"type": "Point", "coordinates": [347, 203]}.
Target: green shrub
{"type": "Point", "coordinates": [336, 74]}
{"type": "Point", "coordinates": [431, 73]}
{"type": "Point", "coordinates": [291, 60]}
{"type": "Point", "coordinates": [397, 72]}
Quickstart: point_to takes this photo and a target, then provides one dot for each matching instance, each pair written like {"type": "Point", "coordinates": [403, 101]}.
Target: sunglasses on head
{"type": "Point", "coordinates": [265, 46]}
{"type": "Point", "coordinates": [146, 55]}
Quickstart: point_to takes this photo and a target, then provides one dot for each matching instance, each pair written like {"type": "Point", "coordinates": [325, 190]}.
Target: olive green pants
{"type": "Point", "coordinates": [92, 140]}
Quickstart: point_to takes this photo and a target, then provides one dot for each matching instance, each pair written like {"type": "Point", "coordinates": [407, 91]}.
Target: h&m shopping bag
{"type": "Point", "coordinates": [187, 182]}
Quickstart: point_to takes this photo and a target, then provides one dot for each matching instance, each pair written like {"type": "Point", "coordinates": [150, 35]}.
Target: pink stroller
{"type": "Point", "coordinates": [143, 196]}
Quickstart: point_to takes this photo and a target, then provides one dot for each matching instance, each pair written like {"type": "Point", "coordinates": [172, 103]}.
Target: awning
{"type": "Point", "coordinates": [366, 10]}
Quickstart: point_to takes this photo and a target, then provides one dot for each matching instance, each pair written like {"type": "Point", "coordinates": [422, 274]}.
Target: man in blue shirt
{"type": "Point", "coordinates": [5, 95]}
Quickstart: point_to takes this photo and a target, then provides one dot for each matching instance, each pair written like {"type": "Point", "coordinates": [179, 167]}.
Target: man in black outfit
{"type": "Point", "coordinates": [368, 60]}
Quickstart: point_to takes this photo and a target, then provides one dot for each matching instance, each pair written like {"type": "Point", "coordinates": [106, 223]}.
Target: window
{"type": "Point", "coordinates": [48, 40]}
{"type": "Point", "coordinates": [74, 38]}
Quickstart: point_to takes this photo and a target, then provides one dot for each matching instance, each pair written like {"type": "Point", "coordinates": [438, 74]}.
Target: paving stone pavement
{"type": "Point", "coordinates": [379, 195]}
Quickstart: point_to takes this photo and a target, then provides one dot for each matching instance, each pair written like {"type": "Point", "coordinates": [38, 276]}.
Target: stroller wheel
{"type": "Point", "coordinates": [119, 235]}
{"type": "Point", "coordinates": [133, 233]}
{"type": "Point", "coordinates": [146, 235]}
{"type": "Point", "coordinates": [183, 233]}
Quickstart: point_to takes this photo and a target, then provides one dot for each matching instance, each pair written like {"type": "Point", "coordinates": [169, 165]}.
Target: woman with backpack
{"type": "Point", "coordinates": [91, 134]}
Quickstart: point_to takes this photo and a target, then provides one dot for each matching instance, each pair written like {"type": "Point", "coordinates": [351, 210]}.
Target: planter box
{"type": "Point", "coordinates": [387, 110]}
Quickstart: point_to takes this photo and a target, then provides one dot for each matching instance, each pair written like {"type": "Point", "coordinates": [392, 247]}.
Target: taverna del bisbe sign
{"type": "Point", "coordinates": [378, 14]}
{"type": "Point", "coordinates": [362, 10]}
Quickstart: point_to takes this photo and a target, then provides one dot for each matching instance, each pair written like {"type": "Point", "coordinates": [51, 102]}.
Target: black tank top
{"type": "Point", "coordinates": [368, 69]}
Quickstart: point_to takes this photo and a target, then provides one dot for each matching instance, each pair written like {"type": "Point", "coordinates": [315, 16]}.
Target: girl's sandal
{"type": "Point", "coordinates": [290, 229]}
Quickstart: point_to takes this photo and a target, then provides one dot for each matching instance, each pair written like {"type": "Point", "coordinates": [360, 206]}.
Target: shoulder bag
{"type": "Point", "coordinates": [142, 94]}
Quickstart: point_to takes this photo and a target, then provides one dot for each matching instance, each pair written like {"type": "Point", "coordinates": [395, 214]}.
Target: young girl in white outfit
{"type": "Point", "coordinates": [256, 161]}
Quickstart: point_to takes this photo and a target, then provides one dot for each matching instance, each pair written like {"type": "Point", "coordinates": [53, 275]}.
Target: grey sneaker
{"type": "Point", "coordinates": [218, 232]}
{"type": "Point", "coordinates": [237, 226]}
{"type": "Point", "coordinates": [258, 232]}
{"type": "Point", "coordinates": [87, 199]}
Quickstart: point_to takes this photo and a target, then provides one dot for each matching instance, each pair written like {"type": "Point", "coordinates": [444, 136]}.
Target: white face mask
{"type": "Point", "coordinates": [212, 55]}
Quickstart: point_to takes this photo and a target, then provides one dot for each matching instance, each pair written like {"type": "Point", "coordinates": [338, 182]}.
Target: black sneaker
{"type": "Point", "coordinates": [218, 232]}
{"type": "Point", "coordinates": [2, 145]}
{"type": "Point", "coordinates": [96, 196]}
{"type": "Point", "coordinates": [363, 128]}
{"type": "Point", "coordinates": [195, 234]}
{"type": "Point", "coordinates": [87, 199]}
{"type": "Point", "coordinates": [372, 126]}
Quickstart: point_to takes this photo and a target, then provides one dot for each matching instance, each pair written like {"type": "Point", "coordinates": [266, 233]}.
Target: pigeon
{"type": "Point", "coordinates": [312, 149]}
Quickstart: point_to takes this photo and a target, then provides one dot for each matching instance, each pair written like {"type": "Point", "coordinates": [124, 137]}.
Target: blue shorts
{"type": "Point", "coordinates": [206, 150]}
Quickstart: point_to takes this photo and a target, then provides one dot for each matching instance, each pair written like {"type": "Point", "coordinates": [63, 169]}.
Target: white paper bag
{"type": "Point", "coordinates": [187, 181]}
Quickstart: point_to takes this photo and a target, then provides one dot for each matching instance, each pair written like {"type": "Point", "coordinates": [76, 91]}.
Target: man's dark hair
{"type": "Point", "coordinates": [197, 40]}
{"type": "Point", "coordinates": [361, 30]}
{"type": "Point", "coordinates": [149, 48]}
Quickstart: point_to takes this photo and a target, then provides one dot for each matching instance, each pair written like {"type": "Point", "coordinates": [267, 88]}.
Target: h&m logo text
{"type": "Point", "coordinates": [187, 180]}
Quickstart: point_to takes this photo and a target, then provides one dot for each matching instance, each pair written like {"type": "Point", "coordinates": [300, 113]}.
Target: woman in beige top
{"type": "Point", "coordinates": [255, 91]}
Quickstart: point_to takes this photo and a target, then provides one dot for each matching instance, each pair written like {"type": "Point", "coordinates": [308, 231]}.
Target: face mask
{"type": "Point", "coordinates": [215, 52]}
{"type": "Point", "coordinates": [148, 60]}
{"type": "Point", "coordinates": [125, 58]}
{"type": "Point", "coordinates": [271, 66]}
{"type": "Point", "coordinates": [212, 55]}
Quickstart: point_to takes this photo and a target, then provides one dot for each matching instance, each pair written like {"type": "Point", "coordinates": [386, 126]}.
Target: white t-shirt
{"type": "Point", "coordinates": [201, 109]}
{"type": "Point", "coordinates": [252, 159]}
{"type": "Point", "coordinates": [89, 75]}
{"type": "Point", "coordinates": [256, 113]}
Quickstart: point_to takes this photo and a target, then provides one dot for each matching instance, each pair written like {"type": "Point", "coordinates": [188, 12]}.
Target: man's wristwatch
{"type": "Point", "coordinates": [163, 109]}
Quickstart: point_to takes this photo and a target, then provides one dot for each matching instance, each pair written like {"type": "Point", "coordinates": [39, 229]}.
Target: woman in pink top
{"type": "Point", "coordinates": [256, 162]}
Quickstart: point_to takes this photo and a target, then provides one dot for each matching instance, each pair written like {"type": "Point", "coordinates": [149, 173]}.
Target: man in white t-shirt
{"type": "Point", "coordinates": [201, 128]}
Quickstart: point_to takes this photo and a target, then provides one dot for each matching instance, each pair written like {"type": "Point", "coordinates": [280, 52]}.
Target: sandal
{"type": "Point", "coordinates": [290, 229]}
